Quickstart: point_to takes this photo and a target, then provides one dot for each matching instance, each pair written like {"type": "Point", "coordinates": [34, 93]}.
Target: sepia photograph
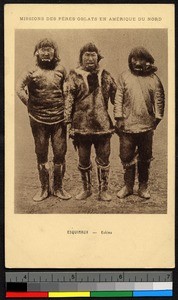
{"type": "Point", "coordinates": [91, 121]}
{"type": "Point", "coordinates": [89, 136]}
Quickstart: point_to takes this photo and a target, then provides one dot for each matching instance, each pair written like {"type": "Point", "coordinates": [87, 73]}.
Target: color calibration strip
{"type": "Point", "coordinates": [88, 284]}
{"type": "Point", "coordinates": [97, 294]}
{"type": "Point", "coordinates": [138, 289]}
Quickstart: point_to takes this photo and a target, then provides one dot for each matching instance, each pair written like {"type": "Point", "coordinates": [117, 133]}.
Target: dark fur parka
{"type": "Point", "coordinates": [86, 101]}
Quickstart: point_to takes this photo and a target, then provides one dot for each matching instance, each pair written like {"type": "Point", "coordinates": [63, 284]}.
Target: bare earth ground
{"type": "Point", "coordinates": [27, 183]}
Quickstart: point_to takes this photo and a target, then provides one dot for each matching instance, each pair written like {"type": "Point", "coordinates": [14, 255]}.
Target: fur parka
{"type": "Point", "coordinates": [86, 101]}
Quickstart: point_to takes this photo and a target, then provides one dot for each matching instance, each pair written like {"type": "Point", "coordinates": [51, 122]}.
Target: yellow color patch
{"type": "Point", "coordinates": [68, 294]}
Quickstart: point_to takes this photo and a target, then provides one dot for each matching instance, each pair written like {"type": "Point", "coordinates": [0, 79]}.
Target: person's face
{"type": "Point", "coordinates": [139, 64]}
{"type": "Point", "coordinates": [89, 60]}
{"type": "Point", "coordinates": [46, 54]}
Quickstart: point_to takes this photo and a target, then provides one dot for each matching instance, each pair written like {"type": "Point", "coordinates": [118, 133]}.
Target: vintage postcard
{"type": "Point", "coordinates": [89, 135]}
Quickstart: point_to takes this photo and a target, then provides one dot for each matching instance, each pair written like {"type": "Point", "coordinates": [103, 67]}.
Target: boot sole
{"type": "Point", "coordinates": [141, 196]}
{"type": "Point", "coordinates": [83, 198]}
{"type": "Point", "coordinates": [62, 198]}
{"type": "Point", "coordinates": [40, 200]}
{"type": "Point", "coordinates": [125, 196]}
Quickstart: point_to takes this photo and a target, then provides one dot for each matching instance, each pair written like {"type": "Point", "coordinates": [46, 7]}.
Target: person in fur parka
{"type": "Point", "coordinates": [138, 109]}
{"type": "Point", "coordinates": [87, 91]}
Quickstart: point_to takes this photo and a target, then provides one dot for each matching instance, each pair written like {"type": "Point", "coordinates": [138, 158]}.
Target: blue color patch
{"type": "Point", "coordinates": [166, 293]}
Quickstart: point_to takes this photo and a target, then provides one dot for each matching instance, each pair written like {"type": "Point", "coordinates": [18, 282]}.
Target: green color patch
{"type": "Point", "coordinates": [111, 294]}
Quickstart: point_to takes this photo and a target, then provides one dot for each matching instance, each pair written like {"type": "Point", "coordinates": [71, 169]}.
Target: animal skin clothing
{"type": "Point", "coordinates": [42, 133]}
{"type": "Point", "coordinates": [128, 144]}
{"type": "Point", "coordinates": [139, 101]}
{"type": "Point", "coordinates": [40, 88]}
{"type": "Point", "coordinates": [45, 93]}
{"type": "Point", "coordinates": [102, 148]}
{"type": "Point", "coordinates": [138, 109]}
{"type": "Point", "coordinates": [86, 101]}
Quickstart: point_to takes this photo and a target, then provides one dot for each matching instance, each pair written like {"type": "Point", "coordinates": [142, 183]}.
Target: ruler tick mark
{"type": "Point", "coordinates": [90, 277]}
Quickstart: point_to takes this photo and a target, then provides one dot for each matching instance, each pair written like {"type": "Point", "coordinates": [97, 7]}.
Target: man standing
{"type": "Point", "coordinates": [40, 88]}
{"type": "Point", "coordinates": [138, 109]}
{"type": "Point", "coordinates": [87, 92]}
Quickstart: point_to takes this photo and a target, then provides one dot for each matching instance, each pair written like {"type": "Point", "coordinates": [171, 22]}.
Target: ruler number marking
{"type": "Point", "coordinates": [145, 276]}
{"type": "Point", "coordinates": [72, 276]}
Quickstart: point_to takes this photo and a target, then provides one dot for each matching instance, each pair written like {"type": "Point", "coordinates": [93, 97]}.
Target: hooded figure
{"type": "Point", "coordinates": [40, 88]}
{"type": "Point", "coordinates": [138, 109]}
{"type": "Point", "coordinates": [87, 92]}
